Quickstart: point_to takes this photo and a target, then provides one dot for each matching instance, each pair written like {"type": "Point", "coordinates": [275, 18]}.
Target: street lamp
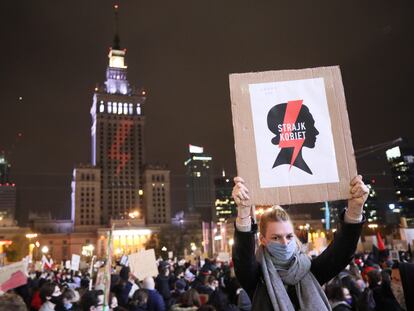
{"type": "Point", "coordinates": [45, 249]}
{"type": "Point", "coordinates": [231, 242]}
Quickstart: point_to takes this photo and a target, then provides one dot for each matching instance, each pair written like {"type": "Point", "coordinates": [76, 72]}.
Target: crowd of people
{"type": "Point", "coordinates": [366, 284]}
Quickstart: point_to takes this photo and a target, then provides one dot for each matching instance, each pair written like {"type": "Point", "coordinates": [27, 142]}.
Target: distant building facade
{"type": "Point", "coordinates": [200, 185]}
{"type": "Point", "coordinates": [157, 194]}
{"type": "Point", "coordinates": [86, 197]}
{"type": "Point", "coordinates": [8, 195]}
{"type": "Point", "coordinates": [225, 206]}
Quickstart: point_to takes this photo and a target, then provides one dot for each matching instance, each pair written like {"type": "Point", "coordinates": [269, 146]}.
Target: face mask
{"type": "Point", "coordinates": [68, 305]}
{"type": "Point", "coordinates": [55, 299]}
{"type": "Point", "coordinates": [282, 252]}
{"type": "Point", "coordinates": [349, 301]}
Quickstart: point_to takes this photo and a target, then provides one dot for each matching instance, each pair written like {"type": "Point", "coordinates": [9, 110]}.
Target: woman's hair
{"type": "Point", "coordinates": [140, 297]}
{"type": "Point", "coordinates": [335, 292]}
{"type": "Point", "coordinates": [68, 294]}
{"type": "Point", "coordinates": [12, 302]}
{"type": "Point", "coordinates": [190, 298]}
{"type": "Point", "coordinates": [273, 214]}
{"type": "Point", "coordinates": [47, 290]}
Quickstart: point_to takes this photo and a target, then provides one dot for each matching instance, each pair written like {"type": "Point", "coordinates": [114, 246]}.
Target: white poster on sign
{"type": "Point", "coordinates": [75, 262]}
{"type": "Point", "coordinates": [143, 264]}
{"type": "Point", "coordinates": [293, 135]}
{"type": "Point", "coordinates": [224, 257]}
{"type": "Point", "coordinates": [13, 275]}
{"type": "Point", "coordinates": [67, 264]}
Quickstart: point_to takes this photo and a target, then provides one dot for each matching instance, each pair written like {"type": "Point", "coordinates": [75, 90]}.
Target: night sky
{"type": "Point", "coordinates": [54, 52]}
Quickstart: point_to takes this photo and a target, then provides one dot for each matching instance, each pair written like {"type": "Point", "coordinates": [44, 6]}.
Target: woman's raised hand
{"type": "Point", "coordinates": [241, 197]}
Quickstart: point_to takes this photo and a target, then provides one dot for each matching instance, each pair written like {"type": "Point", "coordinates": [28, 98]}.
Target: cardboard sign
{"type": "Point", "coordinates": [292, 135]}
{"type": "Point", "coordinates": [67, 264]}
{"type": "Point", "coordinates": [223, 256]}
{"type": "Point", "coordinates": [143, 264]}
{"type": "Point", "coordinates": [75, 262]}
{"type": "Point", "coordinates": [12, 276]}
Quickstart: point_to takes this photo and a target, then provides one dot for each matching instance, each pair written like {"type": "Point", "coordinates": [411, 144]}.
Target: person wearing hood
{"type": "Point", "coordinates": [281, 276]}
{"type": "Point", "coordinates": [155, 301]}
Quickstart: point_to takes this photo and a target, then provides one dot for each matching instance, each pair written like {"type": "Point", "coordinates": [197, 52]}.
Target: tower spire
{"type": "Point", "coordinates": [116, 45]}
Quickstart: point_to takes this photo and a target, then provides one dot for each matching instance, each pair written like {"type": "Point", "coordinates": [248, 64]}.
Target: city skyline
{"type": "Point", "coordinates": [54, 64]}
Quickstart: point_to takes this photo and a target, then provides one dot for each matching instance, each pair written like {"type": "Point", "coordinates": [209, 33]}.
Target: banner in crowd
{"type": "Point", "coordinates": [75, 262]}
{"type": "Point", "coordinates": [143, 264]}
{"type": "Point", "coordinates": [13, 275]}
{"type": "Point", "coordinates": [292, 135]}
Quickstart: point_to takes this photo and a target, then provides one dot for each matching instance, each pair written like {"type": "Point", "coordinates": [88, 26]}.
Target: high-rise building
{"type": "Point", "coordinates": [157, 195]}
{"type": "Point", "coordinates": [200, 186]}
{"type": "Point", "coordinates": [86, 197]}
{"type": "Point", "coordinates": [117, 138]}
{"type": "Point", "coordinates": [225, 206]}
{"type": "Point", "coordinates": [401, 161]}
{"type": "Point", "coordinates": [7, 195]}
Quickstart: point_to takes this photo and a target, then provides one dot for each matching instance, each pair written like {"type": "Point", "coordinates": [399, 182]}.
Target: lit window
{"type": "Point", "coordinates": [109, 107]}
{"type": "Point", "coordinates": [131, 109]}
{"type": "Point", "coordinates": [119, 108]}
{"type": "Point", "coordinates": [139, 109]}
{"type": "Point", "coordinates": [114, 109]}
{"type": "Point", "coordinates": [125, 108]}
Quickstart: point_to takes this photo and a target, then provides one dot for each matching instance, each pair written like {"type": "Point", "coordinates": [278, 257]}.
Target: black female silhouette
{"type": "Point", "coordinates": [303, 125]}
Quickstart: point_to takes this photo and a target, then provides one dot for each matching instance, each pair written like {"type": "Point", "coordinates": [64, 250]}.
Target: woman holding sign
{"type": "Point", "coordinates": [280, 276]}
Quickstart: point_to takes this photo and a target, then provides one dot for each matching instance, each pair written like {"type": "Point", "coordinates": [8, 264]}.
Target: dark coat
{"type": "Point", "coordinates": [407, 277]}
{"type": "Point", "coordinates": [155, 301]}
{"type": "Point", "coordinates": [324, 267]}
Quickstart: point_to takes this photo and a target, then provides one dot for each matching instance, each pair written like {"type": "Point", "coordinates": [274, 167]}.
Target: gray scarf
{"type": "Point", "coordinates": [310, 294]}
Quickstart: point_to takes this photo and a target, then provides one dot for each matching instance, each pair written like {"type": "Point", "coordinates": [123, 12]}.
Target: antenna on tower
{"type": "Point", "coordinates": [117, 44]}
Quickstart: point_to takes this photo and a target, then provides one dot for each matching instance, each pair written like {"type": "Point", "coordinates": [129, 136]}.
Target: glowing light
{"type": "Point", "coordinates": [164, 249]}
{"type": "Point", "coordinates": [132, 232]}
{"type": "Point", "coordinates": [391, 206]}
{"type": "Point", "coordinates": [231, 242]}
{"type": "Point", "coordinates": [31, 235]}
{"type": "Point", "coordinates": [45, 249]}
{"type": "Point", "coordinates": [202, 158]}
{"type": "Point", "coordinates": [140, 192]}
{"type": "Point", "coordinates": [195, 149]}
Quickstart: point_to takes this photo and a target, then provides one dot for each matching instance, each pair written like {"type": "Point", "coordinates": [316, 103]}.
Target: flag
{"type": "Point", "coordinates": [47, 263]}
{"type": "Point", "coordinates": [380, 242]}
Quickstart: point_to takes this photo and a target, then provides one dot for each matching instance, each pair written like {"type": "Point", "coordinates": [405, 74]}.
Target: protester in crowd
{"type": "Point", "coordinates": [155, 300]}
{"type": "Point", "coordinates": [382, 293]}
{"type": "Point", "coordinates": [139, 301]}
{"type": "Point", "coordinates": [12, 302]}
{"type": "Point", "coordinates": [91, 301]}
{"type": "Point", "coordinates": [50, 295]}
{"type": "Point", "coordinates": [179, 290]}
{"type": "Point", "coordinates": [237, 295]}
{"type": "Point", "coordinates": [407, 276]}
{"type": "Point", "coordinates": [162, 282]}
{"type": "Point", "coordinates": [68, 301]}
{"type": "Point", "coordinates": [190, 301]}
{"type": "Point", "coordinates": [339, 297]}
{"type": "Point", "coordinates": [290, 279]}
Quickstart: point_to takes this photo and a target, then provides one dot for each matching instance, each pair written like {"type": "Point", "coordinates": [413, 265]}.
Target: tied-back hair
{"type": "Point", "coordinates": [276, 213]}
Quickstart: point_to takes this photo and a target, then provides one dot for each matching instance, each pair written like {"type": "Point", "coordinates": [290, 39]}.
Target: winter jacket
{"type": "Point", "coordinates": [407, 277]}
{"type": "Point", "coordinates": [155, 301]}
{"type": "Point", "coordinates": [324, 267]}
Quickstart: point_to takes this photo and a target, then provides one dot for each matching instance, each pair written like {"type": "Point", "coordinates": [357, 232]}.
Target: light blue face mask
{"type": "Point", "coordinates": [68, 305]}
{"type": "Point", "coordinates": [281, 252]}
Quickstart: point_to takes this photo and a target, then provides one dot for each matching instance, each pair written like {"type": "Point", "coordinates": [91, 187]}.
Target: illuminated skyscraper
{"type": "Point", "coordinates": [401, 161]}
{"type": "Point", "coordinates": [7, 195]}
{"type": "Point", "coordinates": [200, 186]}
{"type": "Point", "coordinates": [225, 205]}
{"type": "Point", "coordinates": [117, 138]}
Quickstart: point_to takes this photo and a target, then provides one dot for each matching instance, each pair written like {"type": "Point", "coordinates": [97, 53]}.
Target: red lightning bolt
{"type": "Point", "coordinates": [115, 152]}
{"type": "Point", "coordinates": [291, 115]}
